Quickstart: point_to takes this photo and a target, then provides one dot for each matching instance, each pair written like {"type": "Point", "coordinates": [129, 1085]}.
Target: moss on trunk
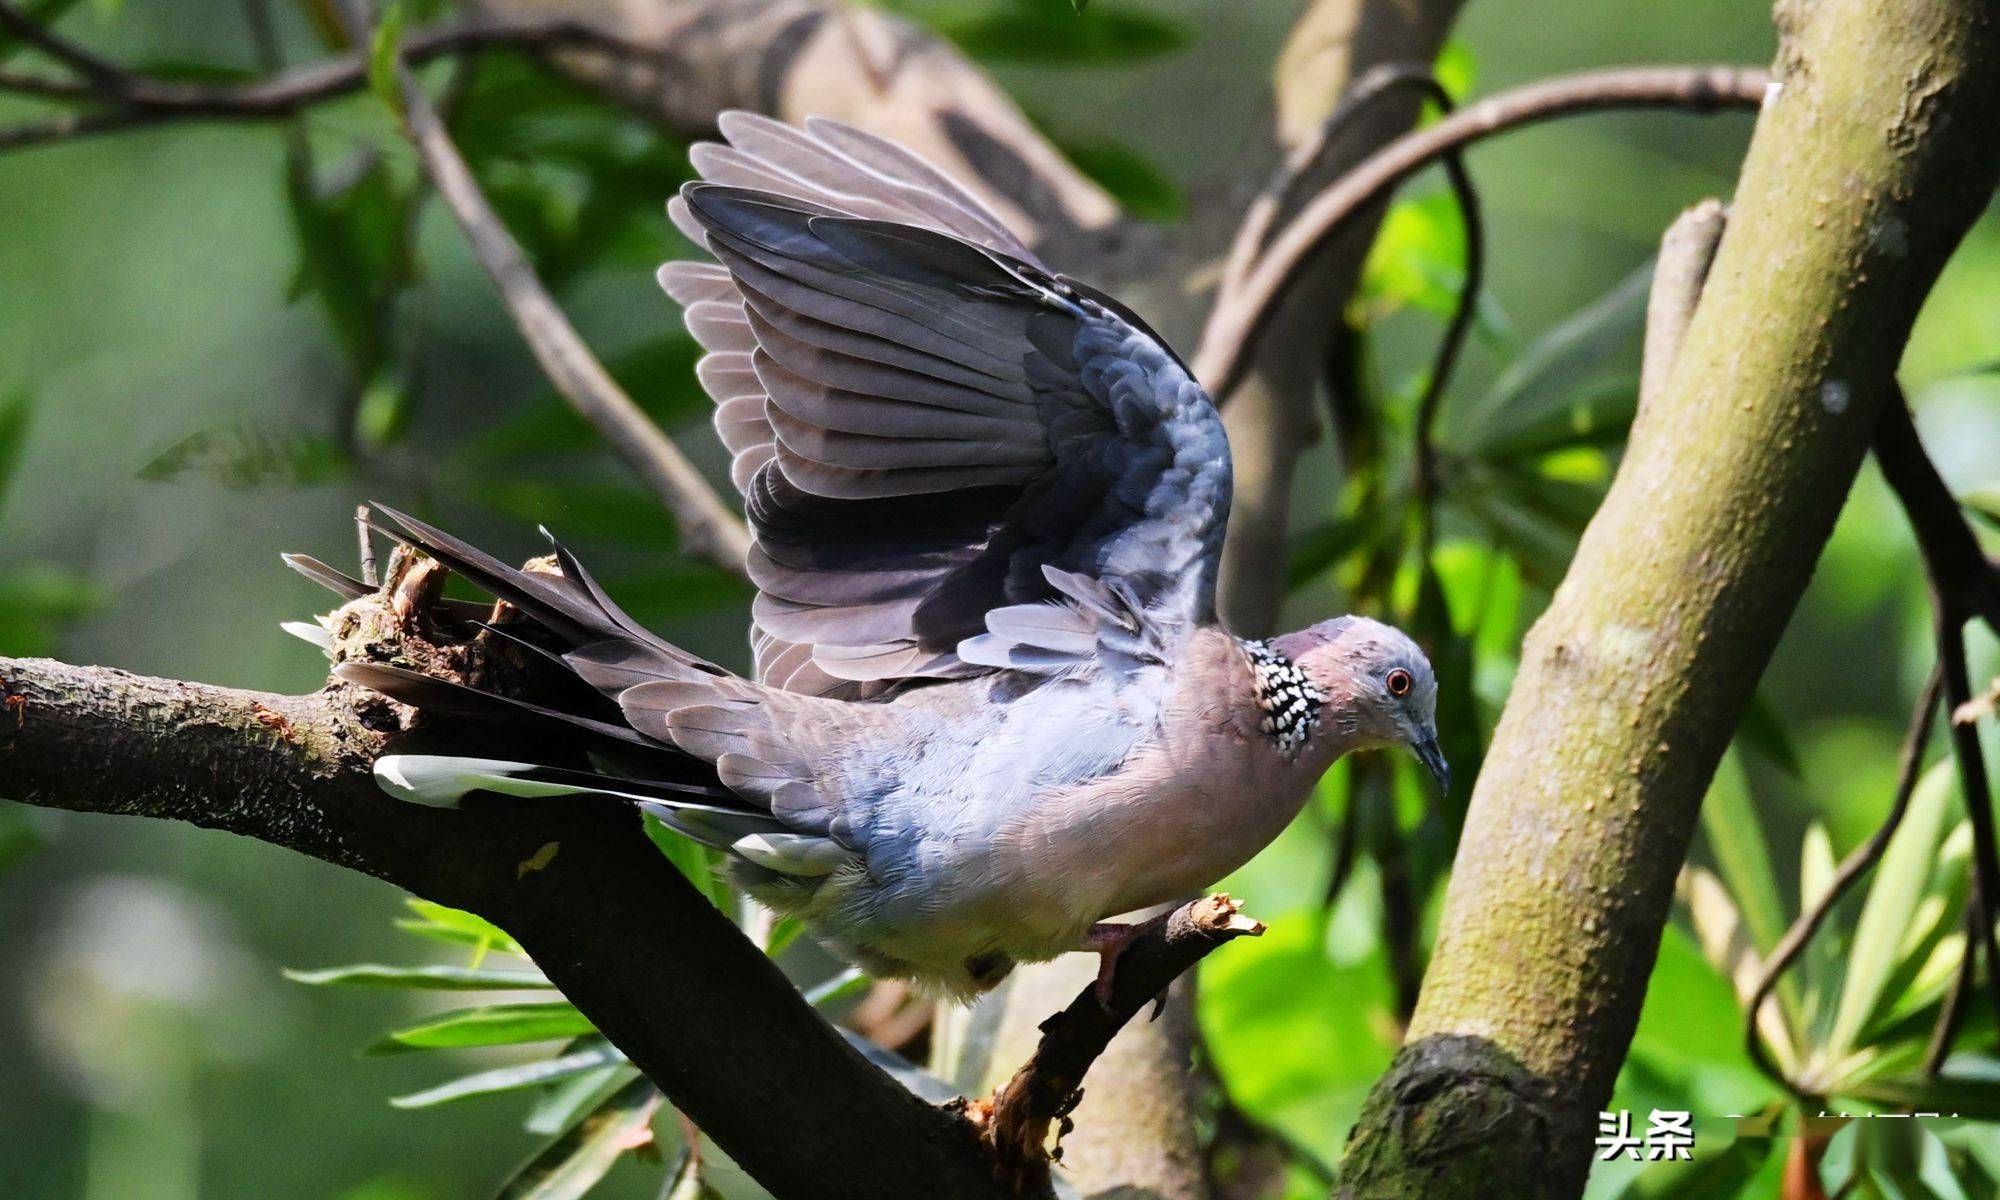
{"type": "Point", "coordinates": [1878, 148]}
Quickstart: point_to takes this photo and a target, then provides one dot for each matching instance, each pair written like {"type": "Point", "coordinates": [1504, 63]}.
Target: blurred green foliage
{"type": "Point", "coordinates": [213, 342]}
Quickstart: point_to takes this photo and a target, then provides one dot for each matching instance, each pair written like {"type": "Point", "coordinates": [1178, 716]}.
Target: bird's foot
{"type": "Point", "coordinates": [1108, 940]}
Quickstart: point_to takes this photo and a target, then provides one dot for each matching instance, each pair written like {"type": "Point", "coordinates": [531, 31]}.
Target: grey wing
{"type": "Point", "coordinates": [953, 459]}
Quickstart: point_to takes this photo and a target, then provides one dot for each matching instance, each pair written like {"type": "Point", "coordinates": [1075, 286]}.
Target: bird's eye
{"type": "Point", "coordinates": [1399, 682]}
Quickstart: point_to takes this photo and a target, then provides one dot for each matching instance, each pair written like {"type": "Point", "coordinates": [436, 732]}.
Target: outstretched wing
{"type": "Point", "coordinates": [953, 459]}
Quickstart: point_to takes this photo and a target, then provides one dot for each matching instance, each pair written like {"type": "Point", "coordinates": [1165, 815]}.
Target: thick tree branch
{"type": "Point", "coordinates": [1876, 152]}
{"type": "Point", "coordinates": [607, 918]}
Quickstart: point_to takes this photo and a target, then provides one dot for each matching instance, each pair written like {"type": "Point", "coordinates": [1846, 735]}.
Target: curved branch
{"type": "Point", "coordinates": [708, 529]}
{"type": "Point", "coordinates": [1237, 321]}
{"type": "Point", "coordinates": [134, 100]}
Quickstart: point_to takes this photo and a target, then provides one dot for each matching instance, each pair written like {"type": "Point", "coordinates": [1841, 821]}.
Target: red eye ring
{"type": "Point", "coordinates": [1399, 682]}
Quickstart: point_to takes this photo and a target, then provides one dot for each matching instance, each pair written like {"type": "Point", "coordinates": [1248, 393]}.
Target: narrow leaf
{"type": "Point", "coordinates": [512, 1079]}
{"type": "Point", "coordinates": [488, 1025]}
{"type": "Point", "coordinates": [574, 1163]}
{"type": "Point", "coordinates": [579, 1094]}
{"type": "Point", "coordinates": [384, 56]}
{"type": "Point", "coordinates": [1893, 896]}
{"type": "Point", "coordinates": [442, 979]}
{"type": "Point", "coordinates": [458, 927]}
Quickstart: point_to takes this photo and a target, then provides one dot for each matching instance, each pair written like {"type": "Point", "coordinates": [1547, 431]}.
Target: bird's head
{"type": "Point", "coordinates": [1375, 687]}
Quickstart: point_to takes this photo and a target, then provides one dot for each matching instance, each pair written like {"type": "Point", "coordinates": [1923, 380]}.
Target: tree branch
{"type": "Point", "coordinates": [134, 100]}
{"type": "Point", "coordinates": [708, 529]}
{"type": "Point", "coordinates": [1272, 410]}
{"type": "Point", "coordinates": [608, 919]}
{"type": "Point", "coordinates": [1239, 318]}
{"type": "Point", "coordinates": [1049, 1085]}
{"type": "Point", "coordinates": [1632, 682]}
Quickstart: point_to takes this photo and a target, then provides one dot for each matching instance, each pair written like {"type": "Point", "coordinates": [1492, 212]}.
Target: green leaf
{"type": "Point", "coordinates": [1039, 33]}
{"type": "Point", "coordinates": [446, 979]}
{"type": "Point", "coordinates": [1735, 836]}
{"type": "Point", "coordinates": [1984, 500]}
{"type": "Point", "coordinates": [457, 927]}
{"type": "Point", "coordinates": [1418, 258]}
{"type": "Point", "coordinates": [1138, 186]}
{"type": "Point", "coordinates": [851, 982]}
{"type": "Point", "coordinates": [488, 1025]}
{"type": "Point", "coordinates": [1708, 1176]}
{"type": "Point", "coordinates": [36, 600]}
{"type": "Point", "coordinates": [702, 865]}
{"type": "Point", "coordinates": [19, 836]}
{"type": "Point", "coordinates": [574, 1163]}
{"type": "Point", "coordinates": [1762, 730]}
{"type": "Point", "coordinates": [384, 57]}
{"type": "Point", "coordinates": [1576, 381]}
{"type": "Point", "coordinates": [514, 1078]}
{"type": "Point", "coordinates": [1456, 69]}
{"type": "Point", "coordinates": [243, 457]}
{"type": "Point", "coordinates": [1895, 892]}
{"type": "Point", "coordinates": [16, 408]}
{"type": "Point", "coordinates": [579, 1094]}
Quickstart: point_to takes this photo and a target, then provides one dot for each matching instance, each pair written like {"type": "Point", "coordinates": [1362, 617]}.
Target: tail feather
{"type": "Point", "coordinates": [432, 694]}
{"type": "Point", "coordinates": [687, 741]}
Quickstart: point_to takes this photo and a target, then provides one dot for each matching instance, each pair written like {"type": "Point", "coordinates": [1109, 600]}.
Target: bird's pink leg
{"type": "Point", "coordinates": [1108, 940]}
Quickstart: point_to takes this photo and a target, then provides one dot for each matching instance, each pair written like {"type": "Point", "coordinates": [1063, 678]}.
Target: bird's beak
{"type": "Point", "coordinates": [1427, 752]}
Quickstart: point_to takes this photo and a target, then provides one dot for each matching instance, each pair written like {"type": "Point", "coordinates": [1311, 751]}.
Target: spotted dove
{"type": "Point", "coordinates": [993, 704]}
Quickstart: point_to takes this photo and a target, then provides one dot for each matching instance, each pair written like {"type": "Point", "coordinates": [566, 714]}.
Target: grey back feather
{"type": "Point", "coordinates": [954, 460]}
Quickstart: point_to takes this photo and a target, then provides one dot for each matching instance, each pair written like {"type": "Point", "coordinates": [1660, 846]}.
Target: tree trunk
{"type": "Point", "coordinates": [1877, 150]}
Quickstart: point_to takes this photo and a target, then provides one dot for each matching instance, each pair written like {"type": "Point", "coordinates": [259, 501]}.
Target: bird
{"type": "Point", "coordinates": [993, 705]}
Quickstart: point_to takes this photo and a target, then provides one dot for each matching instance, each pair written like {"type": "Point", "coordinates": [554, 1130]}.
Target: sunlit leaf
{"type": "Point", "coordinates": [1893, 896]}
{"type": "Point", "coordinates": [512, 1079]}
{"type": "Point", "coordinates": [1456, 69]}
{"type": "Point", "coordinates": [1984, 500]}
{"type": "Point", "coordinates": [442, 924]}
{"type": "Point", "coordinates": [574, 1163]}
{"type": "Point", "coordinates": [846, 985]}
{"type": "Point", "coordinates": [701, 865]}
{"type": "Point", "coordinates": [384, 57]}
{"type": "Point", "coordinates": [488, 1025]}
{"type": "Point", "coordinates": [437, 978]}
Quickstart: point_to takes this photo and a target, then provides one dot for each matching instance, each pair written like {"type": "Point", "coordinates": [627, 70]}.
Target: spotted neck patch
{"type": "Point", "coordinates": [1288, 701]}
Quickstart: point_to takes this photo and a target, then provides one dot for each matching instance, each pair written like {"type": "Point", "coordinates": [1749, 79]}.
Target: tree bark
{"type": "Point", "coordinates": [1878, 149]}
{"type": "Point", "coordinates": [1274, 414]}
{"type": "Point", "coordinates": [608, 919]}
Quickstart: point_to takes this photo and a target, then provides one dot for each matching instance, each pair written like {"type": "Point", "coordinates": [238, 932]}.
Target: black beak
{"type": "Point", "coordinates": [1433, 759]}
